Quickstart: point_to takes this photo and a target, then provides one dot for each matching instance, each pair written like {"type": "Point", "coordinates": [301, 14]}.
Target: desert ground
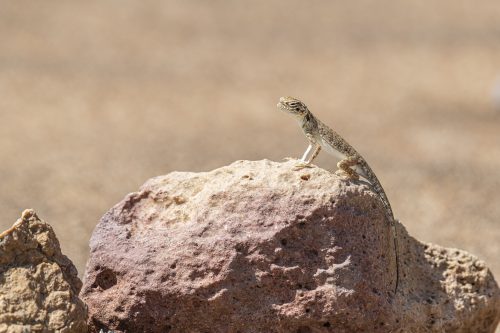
{"type": "Point", "coordinates": [98, 96]}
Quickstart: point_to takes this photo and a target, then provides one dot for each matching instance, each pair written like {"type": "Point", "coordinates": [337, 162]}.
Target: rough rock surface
{"type": "Point", "coordinates": [39, 286]}
{"type": "Point", "coordinates": [259, 247]}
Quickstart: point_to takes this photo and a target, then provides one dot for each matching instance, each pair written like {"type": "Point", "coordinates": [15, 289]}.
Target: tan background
{"type": "Point", "coordinates": [98, 96]}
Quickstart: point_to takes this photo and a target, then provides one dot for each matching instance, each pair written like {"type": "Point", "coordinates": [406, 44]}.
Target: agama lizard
{"type": "Point", "coordinates": [321, 136]}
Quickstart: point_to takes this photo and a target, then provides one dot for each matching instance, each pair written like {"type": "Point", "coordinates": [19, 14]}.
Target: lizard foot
{"type": "Point", "coordinates": [301, 165]}
{"type": "Point", "coordinates": [347, 175]}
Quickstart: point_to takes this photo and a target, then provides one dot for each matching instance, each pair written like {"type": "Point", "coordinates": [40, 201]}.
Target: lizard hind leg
{"type": "Point", "coordinates": [345, 168]}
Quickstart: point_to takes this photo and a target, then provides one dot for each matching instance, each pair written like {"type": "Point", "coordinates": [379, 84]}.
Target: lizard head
{"type": "Point", "coordinates": [293, 106]}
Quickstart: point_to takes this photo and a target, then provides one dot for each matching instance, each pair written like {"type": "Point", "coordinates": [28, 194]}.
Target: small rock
{"type": "Point", "coordinates": [39, 286]}
{"type": "Point", "coordinates": [280, 251]}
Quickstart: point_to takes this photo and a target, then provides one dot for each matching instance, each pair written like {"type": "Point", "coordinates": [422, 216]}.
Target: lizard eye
{"type": "Point", "coordinates": [297, 109]}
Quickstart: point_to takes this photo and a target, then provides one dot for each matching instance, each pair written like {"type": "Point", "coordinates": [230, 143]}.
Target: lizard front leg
{"type": "Point", "coordinates": [304, 161]}
{"type": "Point", "coordinates": [345, 168]}
{"type": "Point", "coordinates": [317, 149]}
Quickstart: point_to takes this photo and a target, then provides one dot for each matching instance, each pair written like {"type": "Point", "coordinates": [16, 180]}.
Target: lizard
{"type": "Point", "coordinates": [351, 165]}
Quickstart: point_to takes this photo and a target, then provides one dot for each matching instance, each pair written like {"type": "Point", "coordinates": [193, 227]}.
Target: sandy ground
{"type": "Point", "coordinates": [98, 96]}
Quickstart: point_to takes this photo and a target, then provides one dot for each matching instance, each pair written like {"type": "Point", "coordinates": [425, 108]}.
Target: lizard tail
{"type": "Point", "coordinates": [368, 173]}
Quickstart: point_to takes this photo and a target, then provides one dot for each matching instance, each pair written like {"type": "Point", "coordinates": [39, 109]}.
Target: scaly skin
{"type": "Point", "coordinates": [321, 136]}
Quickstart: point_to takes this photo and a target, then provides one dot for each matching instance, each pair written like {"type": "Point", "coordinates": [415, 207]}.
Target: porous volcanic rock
{"type": "Point", "coordinates": [261, 247]}
{"type": "Point", "coordinates": [39, 286]}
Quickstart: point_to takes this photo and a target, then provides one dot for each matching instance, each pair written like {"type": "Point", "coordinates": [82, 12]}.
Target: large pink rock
{"type": "Point", "coordinates": [259, 247]}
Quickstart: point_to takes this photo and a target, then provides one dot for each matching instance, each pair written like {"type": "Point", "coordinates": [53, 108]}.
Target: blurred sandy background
{"type": "Point", "coordinates": [98, 96]}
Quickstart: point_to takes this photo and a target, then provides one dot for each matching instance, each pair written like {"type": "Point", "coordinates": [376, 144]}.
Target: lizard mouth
{"type": "Point", "coordinates": [283, 106]}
